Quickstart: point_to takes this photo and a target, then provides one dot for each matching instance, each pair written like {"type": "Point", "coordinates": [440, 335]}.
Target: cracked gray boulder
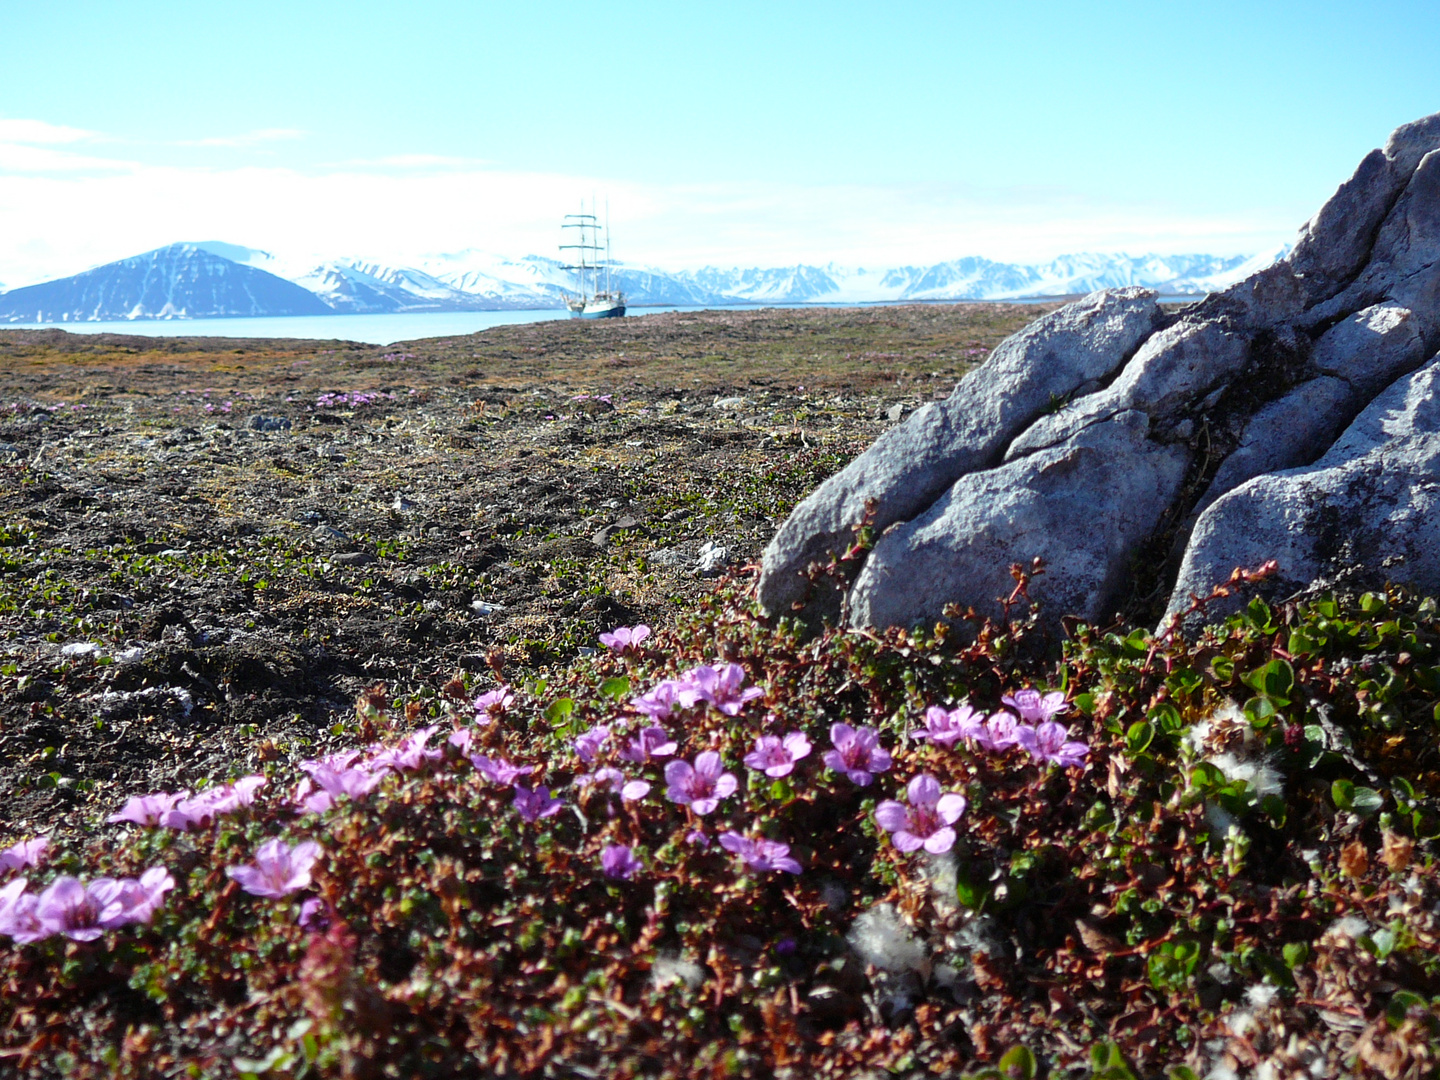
{"type": "Point", "coordinates": [913, 464]}
{"type": "Point", "coordinates": [1127, 448]}
{"type": "Point", "coordinates": [1367, 512]}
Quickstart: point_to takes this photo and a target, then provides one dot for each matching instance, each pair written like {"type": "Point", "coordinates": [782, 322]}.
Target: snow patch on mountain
{"type": "Point", "coordinates": [473, 280]}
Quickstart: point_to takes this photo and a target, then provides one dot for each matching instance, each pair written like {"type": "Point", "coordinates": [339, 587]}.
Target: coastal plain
{"type": "Point", "coordinates": [210, 546]}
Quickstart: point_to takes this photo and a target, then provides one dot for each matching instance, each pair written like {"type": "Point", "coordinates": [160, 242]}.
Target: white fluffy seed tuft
{"type": "Point", "coordinates": [881, 939]}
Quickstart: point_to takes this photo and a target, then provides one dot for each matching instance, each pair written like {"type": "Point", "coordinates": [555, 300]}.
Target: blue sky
{"type": "Point", "coordinates": [734, 134]}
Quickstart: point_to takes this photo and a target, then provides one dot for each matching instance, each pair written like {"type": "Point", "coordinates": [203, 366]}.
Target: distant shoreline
{"type": "Point", "coordinates": [381, 328]}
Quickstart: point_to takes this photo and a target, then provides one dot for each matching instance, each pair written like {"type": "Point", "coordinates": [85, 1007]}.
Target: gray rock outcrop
{"type": "Point", "coordinates": [1367, 512]}
{"type": "Point", "coordinates": [1118, 443]}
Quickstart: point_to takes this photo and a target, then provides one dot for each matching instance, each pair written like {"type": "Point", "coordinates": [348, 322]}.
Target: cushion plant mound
{"type": "Point", "coordinates": [725, 850]}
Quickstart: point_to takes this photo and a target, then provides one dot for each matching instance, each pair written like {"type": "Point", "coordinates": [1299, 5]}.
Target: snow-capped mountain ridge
{"type": "Point", "coordinates": [185, 276]}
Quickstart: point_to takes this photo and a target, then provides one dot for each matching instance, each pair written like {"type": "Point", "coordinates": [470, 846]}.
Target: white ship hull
{"type": "Point", "coordinates": [599, 307]}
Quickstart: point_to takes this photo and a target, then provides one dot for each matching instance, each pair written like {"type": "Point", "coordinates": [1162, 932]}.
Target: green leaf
{"type": "Point", "coordinates": [1085, 703]}
{"type": "Point", "coordinates": [1206, 776]}
{"type": "Point", "coordinates": [1018, 1063]}
{"type": "Point", "coordinates": [1366, 801]}
{"type": "Point", "coordinates": [616, 688]}
{"type": "Point", "coordinates": [1167, 718]}
{"type": "Point", "coordinates": [1372, 603]}
{"type": "Point", "coordinates": [1304, 641]}
{"type": "Point", "coordinates": [1342, 794]}
{"type": "Point", "coordinates": [1139, 736]}
{"type": "Point", "coordinates": [1401, 1002]}
{"type": "Point", "coordinates": [1402, 789]}
{"type": "Point", "coordinates": [1258, 615]}
{"type": "Point", "coordinates": [1295, 953]}
{"type": "Point", "coordinates": [1108, 1063]}
{"type": "Point", "coordinates": [1275, 679]}
{"type": "Point", "coordinates": [1223, 668]}
{"type": "Point", "coordinates": [559, 711]}
{"type": "Point", "coordinates": [968, 891]}
{"type": "Point", "coordinates": [1261, 710]}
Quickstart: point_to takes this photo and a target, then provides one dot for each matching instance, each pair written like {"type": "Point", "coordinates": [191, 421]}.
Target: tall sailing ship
{"type": "Point", "coordinates": [595, 294]}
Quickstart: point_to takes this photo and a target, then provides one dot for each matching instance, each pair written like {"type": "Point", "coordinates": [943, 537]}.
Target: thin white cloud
{"type": "Point", "coordinates": [410, 161]}
{"type": "Point", "coordinates": [64, 213]}
{"type": "Point", "coordinates": [21, 158]}
{"type": "Point", "coordinates": [38, 131]}
{"type": "Point", "coordinates": [247, 139]}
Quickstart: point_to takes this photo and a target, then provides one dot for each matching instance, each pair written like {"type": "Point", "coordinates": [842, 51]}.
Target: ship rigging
{"type": "Point", "coordinates": [596, 296]}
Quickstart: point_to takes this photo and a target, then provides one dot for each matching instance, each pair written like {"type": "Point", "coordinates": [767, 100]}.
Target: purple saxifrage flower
{"type": "Point", "coordinates": [148, 809]}
{"type": "Point", "coordinates": [411, 755]}
{"type": "Point", "coordinates": [926, 821]}
{"type": "Point", "coordinates": [278, 868]}
{"type": "Point", "coordinates": [533, 805]}
{"type": "Point", "coordinates": [614, 779]}
{"type": "Point", "coordinates": [315, 915]}
{"type": "Point", "coordinates": [618, 861]}
{"type": "Point", "coordinates": [652, 742]}
{"type": "Point", "coordinates": [26, 853]}
{"type": "Point", "coordinates": [493, 704]}
{"type": "Point", "coordinates": [331, 782]}
{"type": "Point", "coordinates": [720, 687]}
{"type": "Point", "coordinates": [588, 743]}
{"type": "Point", "coordinates": [625, 637]}
{"type": "Point", "coordinates": [858, 753]}
{"type": "Point", "coordinates": [760, 855]}
{"type": "Point", "coordinates": [17, 913]}
{"type": "Point", "coordinates": [499, 771]}
{"type": "Point", "coordinates": [701, 786]}
{"type": "Point", "coordinates": [1035, 707]}
{"type": "Point", "coordinates": [776, 756]}
{"type": "Point", "coordinates": [82, 912]}
{"type": "Point", "coordinates": [660, 701]}
{"type": "Point", "coordinates": [142, 897]}
{"type": "Point", "coordinates": [227, 798]}
{"type": "Point", "coordinates": [946, 727]}
{"type": "Point", "coordinates": [1000, 732]}
{"type": "Point", "coordinates": [1047, 743]}
{"type": "Point", "coordinates": [211, 803]}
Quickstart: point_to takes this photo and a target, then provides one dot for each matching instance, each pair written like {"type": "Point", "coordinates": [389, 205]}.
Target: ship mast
{"type": "Point", "coordinates": [588, 224]}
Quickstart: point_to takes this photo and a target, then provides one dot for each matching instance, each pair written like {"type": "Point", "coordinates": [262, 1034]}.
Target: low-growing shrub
{"type": "Point", "coordinates": [729, 849]}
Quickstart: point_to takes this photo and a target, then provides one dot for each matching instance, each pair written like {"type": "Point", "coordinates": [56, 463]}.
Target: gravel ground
{"type": "Point", "coordinates": [209, 547]}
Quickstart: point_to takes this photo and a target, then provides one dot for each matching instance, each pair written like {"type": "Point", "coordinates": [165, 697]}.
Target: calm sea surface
{"type": "Point", "coordinates": [371, 329]}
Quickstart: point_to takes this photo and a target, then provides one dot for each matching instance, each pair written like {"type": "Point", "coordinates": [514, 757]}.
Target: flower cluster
{"type": "Point", "coordinates": [81, 911]}
{"type": "Point", "coordinates": [700, 785]}
{"type": "Point", "coordinates": [181, 811]}
{"type": "Point", "coordinates": [1033, 729]}
{"type": "Point", "coordinates": [354, 399]}
{"type": "Point", "coordinates": [721, 687]}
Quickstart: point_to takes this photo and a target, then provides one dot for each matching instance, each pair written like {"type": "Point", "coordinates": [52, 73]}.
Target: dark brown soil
{"type": "Point", "coordinates": [184, 594]}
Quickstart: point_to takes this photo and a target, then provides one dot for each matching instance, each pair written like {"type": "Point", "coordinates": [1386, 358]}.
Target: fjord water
{"type": "Point", "coordinates": [388, 328]}
{"type": "Point", "coordinates": [377, 329]}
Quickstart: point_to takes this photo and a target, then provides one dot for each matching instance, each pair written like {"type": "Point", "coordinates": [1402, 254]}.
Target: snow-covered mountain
{"type": "Point", "coordinates": [181, 281]}
{"type": "Point", "coordinates": [975, 278]}
{"type": "Point", "coordinates": [217, 278]}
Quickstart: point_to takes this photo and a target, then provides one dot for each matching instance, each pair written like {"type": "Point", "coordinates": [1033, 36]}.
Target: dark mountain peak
{"type": "Point", "coordinates": [175, 281]}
